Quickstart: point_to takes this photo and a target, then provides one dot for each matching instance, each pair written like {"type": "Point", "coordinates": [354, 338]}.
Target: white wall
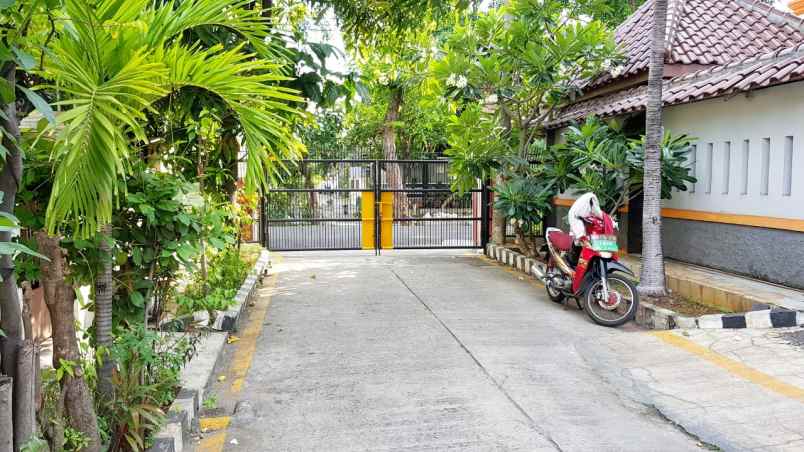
{"type": "Point", "coordinates": [774, 114]}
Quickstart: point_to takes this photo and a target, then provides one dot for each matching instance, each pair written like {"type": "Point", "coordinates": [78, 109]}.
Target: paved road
{"type": "Point", "coordinates": [448, 351]}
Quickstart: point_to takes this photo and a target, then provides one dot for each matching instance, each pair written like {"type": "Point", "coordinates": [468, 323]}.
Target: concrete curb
{"type": "Point", "coordinates": [657, 318]}
{"type": "Point", "coordinates": [511, 258]}
{"type": "Point", "coordinates": [197, 374]}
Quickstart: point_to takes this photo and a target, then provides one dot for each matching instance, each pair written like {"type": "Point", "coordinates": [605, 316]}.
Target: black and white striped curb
{"type": "Point", "coordinates": [658, 318]}
{"type": "Point", "coordinates": [655, 317]}
{"type": "Point", "coordinates": [183, 412]}
{"type": "Point", "coordinates": [511, 258]}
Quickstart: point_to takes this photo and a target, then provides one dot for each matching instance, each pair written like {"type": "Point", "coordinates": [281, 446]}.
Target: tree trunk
{"type": "Point", "coordinates": [652, 280]}
{"type": "Point", "coordinates": [393, 170]}
{"type": "Point", "coordinates": [24, 395]}
{"type": "Point", "coordinates": [60, 300]}
{"type": "Point", "coordinates": [498, 220]}
{"type": "Point", "coordinates": [104, 296]}
{"type": "Point", "coordinates": [526, 245]}
{"type": "Point", "coordinates": [10, 177]}
{"type": "Point", "coordinates": [498, 217]}
{"type": "Point", "coordinates": [6, 423]}
{"type": "Point", "coordinates": [312, 201]}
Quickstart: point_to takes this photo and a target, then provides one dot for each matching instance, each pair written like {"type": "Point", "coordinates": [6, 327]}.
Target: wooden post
{"type": "Point", "coordinates": [6, 426]}
{"type": "Point", "coordinates": [24, 394]}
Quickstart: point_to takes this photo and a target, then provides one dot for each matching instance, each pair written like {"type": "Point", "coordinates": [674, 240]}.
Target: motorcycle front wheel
{"type": "Point", "coordinates": [614, 308]}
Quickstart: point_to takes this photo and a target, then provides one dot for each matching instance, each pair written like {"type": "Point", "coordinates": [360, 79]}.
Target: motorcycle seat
{"type": "Point", "coordinates": [560, 240]}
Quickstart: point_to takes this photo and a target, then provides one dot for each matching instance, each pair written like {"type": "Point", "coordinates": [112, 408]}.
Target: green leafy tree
{"type": "Point", "coordinates": [518, 64]}
{"type": "Point", "coordinates": [374, 22]}
{"type": "Point", "coordinates": [604, 161]}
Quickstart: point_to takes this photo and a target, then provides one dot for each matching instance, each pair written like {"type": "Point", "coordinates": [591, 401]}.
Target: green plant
{"type": "Point", "coordinates": [74, 440]}
{"type": "Point", "coordinates": [227, 271]}
{"type": "Point", "coordinates": [675, 160]}
{"type": "Point", "coordinates": [524, 202]}
{"type": "Point", "coordinates": [35, 444]}
{"type": "Point", "coordinates": [135, 410]}
{"type": "Point", "coordinates": [601, 162]}
{"type": "Point", "coordinates": [211, 402]}
{"type": "Point", "coordinates": [216, 300]}
{"type": "Point", "coordinates": [145, 383]}
{"type": "Point", "coordinates": [476, 146]}
{"type": "Point", "coordinates": [604, 161]}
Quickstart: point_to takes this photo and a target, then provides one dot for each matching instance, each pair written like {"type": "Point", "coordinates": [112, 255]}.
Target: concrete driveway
{"type": "Point", "coordinates": [445, 350]}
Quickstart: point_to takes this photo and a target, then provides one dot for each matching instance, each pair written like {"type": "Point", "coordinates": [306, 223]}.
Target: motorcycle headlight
{"type": "Point", "coordinates": [605, 255]}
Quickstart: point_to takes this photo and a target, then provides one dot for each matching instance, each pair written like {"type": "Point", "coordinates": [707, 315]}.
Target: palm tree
{"type": "Point", "coordinates": [114, 61]}
{"type": "Point", "coordinates": [652, 280]}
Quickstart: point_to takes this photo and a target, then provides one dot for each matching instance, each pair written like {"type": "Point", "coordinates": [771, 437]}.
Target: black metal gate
{"type": "Point", "coordinates": [372, 204]}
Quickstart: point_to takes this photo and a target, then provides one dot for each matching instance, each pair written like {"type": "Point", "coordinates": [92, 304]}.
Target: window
{"type": "Point", "coordinates": [744, 172]}
{"type": "Point", "coordinates": [710, 150]}
{"type": "Point", "coordinates": [787, 180]}
{"type": "Point", "coordinates": [763, 187]}
{"type": "Point", "coordinates": [726, 166]}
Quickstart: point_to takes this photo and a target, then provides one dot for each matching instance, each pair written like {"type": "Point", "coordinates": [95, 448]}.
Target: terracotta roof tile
{"type": "Point", "coordinates": [706, 32]}
{"type": "Point", "coordinates": [762, 71]}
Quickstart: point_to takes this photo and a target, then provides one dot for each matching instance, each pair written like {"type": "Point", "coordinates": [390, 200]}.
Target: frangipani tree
{"type": "Point", "coordinates": [518, 64]}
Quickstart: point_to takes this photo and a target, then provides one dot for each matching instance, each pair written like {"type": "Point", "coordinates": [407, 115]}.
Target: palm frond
{"type": "Point", "coordinates": [248, 86]}
{"type": "Point", "coordinates": [168, 21]}
{"type": "Point", "coordinates": [93, 146]}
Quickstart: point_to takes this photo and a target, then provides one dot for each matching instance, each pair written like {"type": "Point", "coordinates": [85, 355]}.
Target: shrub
{"type": "Point", "coordinates": [226, 272]}
{"type": "Point", "coordinates": [146, 382]}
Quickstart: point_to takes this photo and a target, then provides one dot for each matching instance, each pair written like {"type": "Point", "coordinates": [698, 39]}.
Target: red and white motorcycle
{"type": "Point", "coordinates": [597, 282]}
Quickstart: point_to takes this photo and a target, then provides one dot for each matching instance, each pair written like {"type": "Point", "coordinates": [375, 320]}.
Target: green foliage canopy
{"type": "Point", "coordinates": [520, 63]}
{"type": "Point", "coordinates": [114, 59]}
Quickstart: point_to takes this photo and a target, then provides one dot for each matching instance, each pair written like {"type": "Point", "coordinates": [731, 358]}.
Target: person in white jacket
{"type": "Point", "coordinates": [585, 206]}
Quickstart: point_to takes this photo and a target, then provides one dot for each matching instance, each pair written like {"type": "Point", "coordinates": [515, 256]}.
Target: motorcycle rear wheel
{"type": "Point", "coordinates": [616, 317]}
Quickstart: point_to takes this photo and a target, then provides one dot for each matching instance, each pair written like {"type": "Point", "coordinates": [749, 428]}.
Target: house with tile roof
{"type": "Point", "coordinates": [734, 79]}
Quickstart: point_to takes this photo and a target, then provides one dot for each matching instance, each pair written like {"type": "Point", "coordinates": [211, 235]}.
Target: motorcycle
{"type": "Point", "coordinates": [596, 283]}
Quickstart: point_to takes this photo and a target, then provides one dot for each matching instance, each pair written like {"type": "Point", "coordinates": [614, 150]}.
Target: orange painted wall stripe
{"type": "Point", "coordinates": [787, 224]}
{"type": "Point", "coordinates": [730, 218]}
{"type": "Point", "coordinates": [563, 202]}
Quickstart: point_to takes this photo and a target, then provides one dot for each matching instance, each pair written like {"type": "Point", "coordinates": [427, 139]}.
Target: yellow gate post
{"type": "Point", "coordinates": [367, 220]}
{"type": "Point", "coordinates": [387, 220]}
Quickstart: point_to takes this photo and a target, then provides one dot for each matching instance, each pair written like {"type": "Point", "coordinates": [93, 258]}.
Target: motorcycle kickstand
{"type": "Point", "coordinates": [578, 302]}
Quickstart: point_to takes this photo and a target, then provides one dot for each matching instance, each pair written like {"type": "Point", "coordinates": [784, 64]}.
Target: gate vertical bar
{"type": "Point", "coordinates": [377, 200]}
{"type": "Point", "coordinates": [484, 214]}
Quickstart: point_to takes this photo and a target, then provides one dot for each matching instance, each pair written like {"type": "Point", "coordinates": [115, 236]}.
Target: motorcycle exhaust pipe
{"type": "Point", "coordinates": [539, 272]}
